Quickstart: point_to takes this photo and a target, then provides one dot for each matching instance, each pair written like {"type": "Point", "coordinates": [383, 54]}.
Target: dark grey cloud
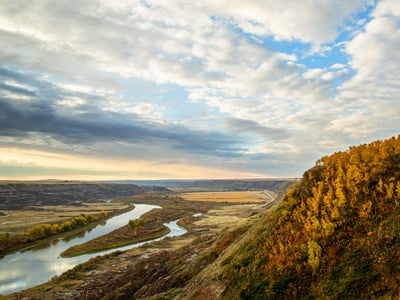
{"type": "Point", "coordinates": [15, 89]}
{"type": "Point", "coordinates": [250, 126]}
{"type": "Point", "coordinates": [30, 84]}
{"type": "Point", "coordinates": [88, 125]}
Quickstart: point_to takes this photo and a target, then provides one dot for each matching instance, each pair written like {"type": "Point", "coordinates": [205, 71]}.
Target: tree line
{"type": "Point", "coordinates": [8, 241]}
{"type": "Point", "coordinates": [46, 230]}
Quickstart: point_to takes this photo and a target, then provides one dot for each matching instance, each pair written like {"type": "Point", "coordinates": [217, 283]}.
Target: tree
{"type": "Point", "coordinates": [314, 255]}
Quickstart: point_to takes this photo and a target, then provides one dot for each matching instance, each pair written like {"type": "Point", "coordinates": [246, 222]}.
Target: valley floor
{"type": "Point", "coordinates": [158, 270]}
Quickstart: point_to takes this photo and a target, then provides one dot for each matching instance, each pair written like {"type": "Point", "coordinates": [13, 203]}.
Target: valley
{"type": "Point", "coordinates": [333, 234]}
{"type": "Point", "coordinates": [205, 221]}
{"type": "Point", "coordinates": [151, 264]}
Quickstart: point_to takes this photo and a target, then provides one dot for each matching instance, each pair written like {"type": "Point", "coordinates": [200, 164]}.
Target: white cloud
{"type": "Point", "coordinates": [338, 66]}
{"type": "Point", "coordinates": [165, 41]}
{"type": "Point", "coordinates": [148, 111]}
{"type": "Point", "coordinates": [372, 94]}
{"type": "Point", "coordinates": [71, 102]}
{"type": "Point", "coordinates": [102, 52]}
{"type": "Point", "coordinates": [387, 8]}
{"type": "Point", "coordinates": [312, 21]}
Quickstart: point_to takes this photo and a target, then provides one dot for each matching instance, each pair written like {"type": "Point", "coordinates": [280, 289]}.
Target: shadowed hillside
{"type": "Point", "coordinates": [272, 184]}
{"type": "Point", "coordinates": [16, 195]}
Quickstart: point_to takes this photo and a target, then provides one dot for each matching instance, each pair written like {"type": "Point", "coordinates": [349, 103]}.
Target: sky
{"type": "Point", "coordinates": [177, 89]}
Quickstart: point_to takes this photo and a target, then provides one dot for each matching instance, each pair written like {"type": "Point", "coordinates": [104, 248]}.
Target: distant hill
{"type": "Point", "coordinates": [16, 195]}
{"type": "Point", "coordinates": [335, 235]}
{"type": "Point", "coordinates": [20, 194]}
{"type": "Point", "coordinates": [273, 184]}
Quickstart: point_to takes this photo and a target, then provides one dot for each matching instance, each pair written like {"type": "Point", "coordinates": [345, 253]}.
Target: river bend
{"type": "Point", "coordinates": [22, 270]}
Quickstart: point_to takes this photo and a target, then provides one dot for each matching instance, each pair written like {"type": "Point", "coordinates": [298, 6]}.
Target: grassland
{"type": "Point", "coordinates": [230, 197]}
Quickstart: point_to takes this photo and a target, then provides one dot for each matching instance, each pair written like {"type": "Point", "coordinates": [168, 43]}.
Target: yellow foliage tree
{"type": "Point", "coordinates": [314, 255]}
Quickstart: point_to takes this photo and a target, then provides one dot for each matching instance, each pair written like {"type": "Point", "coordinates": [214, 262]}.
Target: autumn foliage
{"type": "Point", "coordinates": [45, 230]}
{"type": "Point", "coordinates": [10, 242]}
{"type": "Point", "coordinates": [336, 234]}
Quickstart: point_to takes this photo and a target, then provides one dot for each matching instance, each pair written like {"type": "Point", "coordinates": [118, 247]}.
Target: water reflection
{"type": "Point", "coordinates": [74, 236]}
{"type": "Point", "coordinates": [13, 285]}
{"type": "Point", "coordinates": [38, 264]}
{"type": "Point", "coordinates": [55, 242]}
{"type": "Point", "coordinates": [38, 247]}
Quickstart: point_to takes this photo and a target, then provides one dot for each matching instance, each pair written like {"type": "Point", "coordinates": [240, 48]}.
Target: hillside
{"type": "Point", "coordinates": [335, 235]}
{"type": "Point", "coordinates": [272, 184]}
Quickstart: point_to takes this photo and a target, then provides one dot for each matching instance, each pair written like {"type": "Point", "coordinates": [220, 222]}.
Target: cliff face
{"type": "Point", "coordinates": [334, 235]}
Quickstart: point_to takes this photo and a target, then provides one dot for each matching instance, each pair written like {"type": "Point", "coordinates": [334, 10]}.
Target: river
{"type": "Point", "coordinates": [22, 270]}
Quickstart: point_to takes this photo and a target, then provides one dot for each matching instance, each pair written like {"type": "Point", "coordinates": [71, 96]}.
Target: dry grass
{"type": "Point", "coordinates": [18, 221]}
{"type": "Point", "coordinates": [230, 197]}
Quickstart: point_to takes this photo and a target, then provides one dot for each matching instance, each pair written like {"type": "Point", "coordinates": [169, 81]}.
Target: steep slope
{"type": "Point", "coordinates": [334, 235]}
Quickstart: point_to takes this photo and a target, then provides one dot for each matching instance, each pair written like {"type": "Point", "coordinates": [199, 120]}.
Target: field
{"type": "Point", "coordinates": [230, 197]}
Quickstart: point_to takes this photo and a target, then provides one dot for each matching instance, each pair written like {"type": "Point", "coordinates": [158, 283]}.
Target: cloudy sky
{"type": "Point", "coordinates": [180, 89]}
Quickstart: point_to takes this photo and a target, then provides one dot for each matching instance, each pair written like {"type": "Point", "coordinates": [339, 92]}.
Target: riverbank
{"type": "Point", "coordinates": [20, 240]}
{"type": "Point", "coordinates": [123, 236]}
{"type": "Point", "coordinates": [19, 270]}
{"type": "Point", "coordinates": [150, 226]}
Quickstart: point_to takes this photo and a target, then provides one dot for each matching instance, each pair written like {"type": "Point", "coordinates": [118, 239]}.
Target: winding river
{"type": "Point", "coordinates": [22, 270]}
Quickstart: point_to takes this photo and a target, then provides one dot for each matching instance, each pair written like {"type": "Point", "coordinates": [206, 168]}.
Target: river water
{"type": "Point", "coordinates": [22, 270]}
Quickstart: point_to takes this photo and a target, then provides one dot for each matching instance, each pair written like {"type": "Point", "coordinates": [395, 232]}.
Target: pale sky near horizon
{"type": "Point", "coordinates": [181, 89]}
